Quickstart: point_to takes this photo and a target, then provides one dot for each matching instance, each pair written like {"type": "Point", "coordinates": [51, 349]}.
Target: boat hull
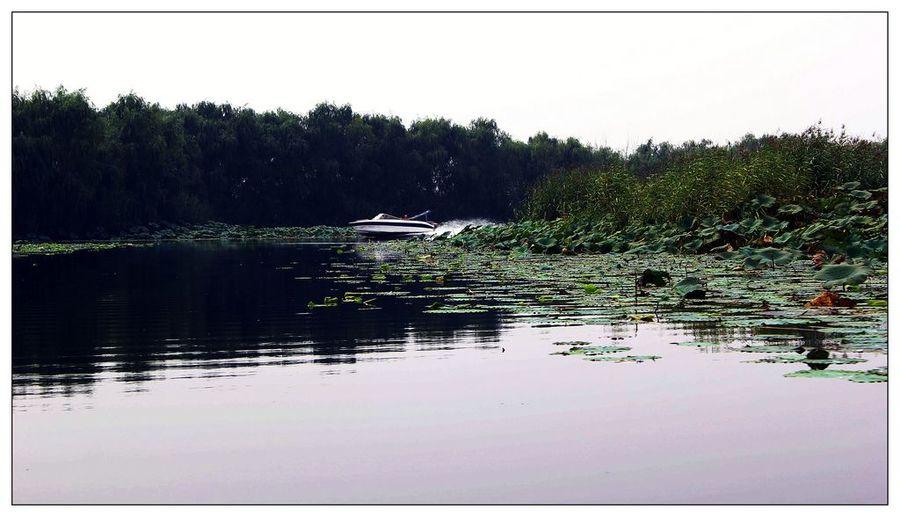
{"type": "Point", "coordinates": [392, 229]}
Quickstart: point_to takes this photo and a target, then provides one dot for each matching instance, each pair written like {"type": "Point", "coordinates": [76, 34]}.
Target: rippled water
{"type": "Point", "coordinates": [197, 373]}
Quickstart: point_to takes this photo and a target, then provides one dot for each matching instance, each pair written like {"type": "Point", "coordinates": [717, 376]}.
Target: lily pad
{"type": "Point", "coordinates": [699, 344]}
{"type": "Point", "coordinates": [763, 349]}
{"type": "Point", "coordinates": [835, 275]}
{"type": "Point", "coordinates": [329, 301]}
{"type": "Point", "coordinates": [690, 287]}
{"type": "Point", "coordinates": [867, 376]}
{"type": "Point", "coordinates": [594, 350]}
{"type": "Point", "coordinates": [572, 343]}
{"type": "Point", "coordinates": [798, 358]}
{"type": "Point", "coordinates": [456, 310]}
{"type": "Point", "coordinates": [775, 256]}
{"type": "Point", "coordinates": [624, 359]}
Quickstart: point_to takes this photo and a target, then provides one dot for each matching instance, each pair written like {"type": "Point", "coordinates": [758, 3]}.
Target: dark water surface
{"type": "Point", "coordinates": [195, 373]}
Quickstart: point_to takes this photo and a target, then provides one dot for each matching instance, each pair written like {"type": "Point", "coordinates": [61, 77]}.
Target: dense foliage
{"type": "Point", "coordinates": [660, 183]}
{"type": "Point", "coordinates": [84, 172]}
{"type": "Point", "coordinates": [847, 221]}
{"type": "Point", "coordinates": [79, 171]}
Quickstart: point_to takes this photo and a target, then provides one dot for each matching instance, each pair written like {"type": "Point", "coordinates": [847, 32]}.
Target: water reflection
{"type": "Point", "coordinates": [209, 309]}
{"type": "Point", "coordinates": [198, 309]}
{"type": "Point", "coordinates": [386, 410]}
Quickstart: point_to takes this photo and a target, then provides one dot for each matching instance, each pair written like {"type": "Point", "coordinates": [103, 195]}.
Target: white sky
{"type": "Point", "coordinates": [608, 79]}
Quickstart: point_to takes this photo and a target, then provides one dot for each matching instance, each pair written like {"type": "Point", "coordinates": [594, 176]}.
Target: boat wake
{"type": "Point", "coordinates": [451, 228]}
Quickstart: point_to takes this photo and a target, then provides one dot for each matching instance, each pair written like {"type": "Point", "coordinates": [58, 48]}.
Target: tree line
{"type": "Point", "coordinates": [80, 171]}
{"type": "Point", "coordinates": [85, 172]}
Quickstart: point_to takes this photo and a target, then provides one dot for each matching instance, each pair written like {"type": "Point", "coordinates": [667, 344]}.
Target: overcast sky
{"type": "Point", "coordinates": [607, 79]}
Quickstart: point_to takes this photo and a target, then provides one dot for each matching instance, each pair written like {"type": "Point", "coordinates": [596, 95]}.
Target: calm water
{"type": "Point", "coordinates": [194, 373]}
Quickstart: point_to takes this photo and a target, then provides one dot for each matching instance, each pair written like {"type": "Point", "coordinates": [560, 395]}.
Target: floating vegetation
{"type": "Point", "coordinates": [835, 275]}
{"type": "Point", "coordinates": [866, 376]}
{"type": "Point", "coordinates": [329, 301]}
{"type": "Point", "coordinates": [830, 299]}
{"type": "Point", "coordinates": [572, 344]}
{"type": "Point", "coordinates": [725, 307]}
{"type": "Point", "coordinates": [765, 256]}
{"type": "Point", "coordinates": [237, 232]}
{"type": "Point", "coordinates": [594, 350]}
{"type": "Point", "coordinates": [624, 359]}
{"type": "Point", "coordinates": [157, 232]}
{"type": "Point", "coordinates": [390, 293]}
{"type": "Point", "coordinates": [58, 248]}
{"type": "Point", "coordinates": [698, 344]}
{"type": "Point", "coordinates": [690, 287]}
{"type": "Point", "coordinates": [851, 224]}
{"type": "Point", "coordinates": [760, 311]}
{"type": "Point", "coordinates": [804, 359]}
{"type": "Point", "coordinates": [456, 309]}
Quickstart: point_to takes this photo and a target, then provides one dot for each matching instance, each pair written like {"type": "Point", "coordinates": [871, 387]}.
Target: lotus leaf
{"type": "Point", "coordinates": [329, 301]}
{"type": "Point", "coordinates": [804, 359]}
{"type": "Point", "coordinates": [572, 344]}
{"type": "Point", "coordinates": [790, 209]}
{"type": "Point", "coordinates": [834, 275]}
{"type": "Point", "coordinates": [690, 287]}
{"type": "Point", "coordinates": [866, 376]}
{"type": "Point", "coordinates": [772, 225]}
{"type": "Point", "coordinates": [546, 243]}
{"type": "Point", "coordinates": [752, 262]}
{"type": "Point", "coordinates": [732, 227]}
{"type": "Point", "coordinates": [863, 207]}
{"type": "Point", "coordinates": [764, 201]}
{"type": "Point", "coordinates": [775, 256]}
{"type": "Point", "coordinates": [459, 309]}
{"type": "Point", "coordinates": [764, 349]}
{"type": "Point", "coordinates": [849, 186]}
{"type": "Point", "coordinates": [624, 359]}
{"type": "Point", "coordinates": [594, 350]}
{"type": "Point", "coordinates": [784, 238]}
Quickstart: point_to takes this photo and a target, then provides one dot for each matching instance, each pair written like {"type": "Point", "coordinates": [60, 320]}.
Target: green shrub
{"type": "Point", "coordinates": [714, 181]}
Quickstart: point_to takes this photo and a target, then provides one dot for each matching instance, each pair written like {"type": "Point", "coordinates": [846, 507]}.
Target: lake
{"type": "Point", "coordinates": [202, 373]}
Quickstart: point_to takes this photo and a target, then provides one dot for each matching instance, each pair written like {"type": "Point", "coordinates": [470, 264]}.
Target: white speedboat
{"type": "Point", "coordinates": [391, 226]}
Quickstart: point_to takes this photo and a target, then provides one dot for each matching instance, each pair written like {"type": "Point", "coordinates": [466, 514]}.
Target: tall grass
{"type": "Point", "coordinates": [714, 181]}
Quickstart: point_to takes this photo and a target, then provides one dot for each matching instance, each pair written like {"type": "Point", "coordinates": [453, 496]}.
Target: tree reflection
{"type": "Point", "coordinates": [131, 314]}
